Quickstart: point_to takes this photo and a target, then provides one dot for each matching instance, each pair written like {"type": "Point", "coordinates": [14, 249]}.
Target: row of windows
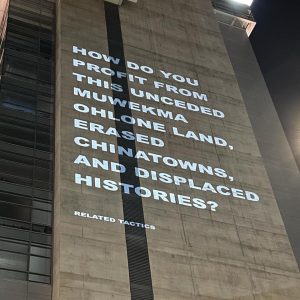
{"type": "Point", "coordinates": [28, 260]}
{"type": "Point", "coordinates": [26, 86]}
{"type": "Point", "coordinates": [16, 50]}
{"type": "Point", "coordinates": [17, 231]}
{"type": "Point", "coordinates": [32, 13]}
{"type": "Point", "coordinates": [24, 170]}
{"type": "Point", "coordinates": [4, 273]}
{"type": "Point", "coordinates": [25, 213]}
{"type": "Point", "coordinates": [27, 191]}
{"type": "Point", "coordinates": [30, 43]}
{"type": "Point", "coordinates": [26, 142]}
{"type": "Point", "coordinates": [25, 182]}
{"type": "Point", "coordinates": [24, 248]}
{"type": "Point", "coordinates": [27, 69]}
{"type": "Point", "coordinates": [37, 157]}
{"type": "Point", "coordinates": [23, 125]}
{"type": "Point", "coordinates": [39, 165]}
{"type": "Point", "coordinates": [18, 262]}
{"type": "Point", "coordinates": [24, 133]}
{"type": "Point", "coordinates": [24, 200]}
{"type": "Point", "coordinates": [29, 30]}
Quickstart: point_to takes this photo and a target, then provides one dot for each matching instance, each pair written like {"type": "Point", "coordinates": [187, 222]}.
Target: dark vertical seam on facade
{"type": "Point", "coordinates": [136, 240]}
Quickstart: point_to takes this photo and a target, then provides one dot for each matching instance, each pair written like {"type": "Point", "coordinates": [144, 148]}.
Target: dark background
{"type": "Point", "coordinates": [276, 43]}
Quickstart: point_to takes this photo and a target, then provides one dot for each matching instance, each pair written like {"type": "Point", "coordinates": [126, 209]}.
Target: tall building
{"type": "Point", "coordinates": [141, 155]}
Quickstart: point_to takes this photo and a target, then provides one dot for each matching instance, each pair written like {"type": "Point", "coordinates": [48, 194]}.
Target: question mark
{"type": "Point", "coordinates": [213, 206]}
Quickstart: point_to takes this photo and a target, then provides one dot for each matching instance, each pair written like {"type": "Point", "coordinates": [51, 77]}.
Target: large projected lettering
{"type": "Point", "coordinates": [167, 113]}
{"type": "Point", "coordinates": [150, 110]}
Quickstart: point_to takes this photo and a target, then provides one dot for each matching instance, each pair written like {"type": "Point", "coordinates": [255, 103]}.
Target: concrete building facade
{"type": "Point", "coordinates": [167, 183]}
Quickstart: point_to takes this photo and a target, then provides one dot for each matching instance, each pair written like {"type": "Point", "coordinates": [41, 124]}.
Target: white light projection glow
{"type": "Point", "coordinates": [247, 2]}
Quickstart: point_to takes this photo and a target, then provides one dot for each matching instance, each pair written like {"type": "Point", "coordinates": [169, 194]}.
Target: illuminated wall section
{"type": "Point", "coordinates": [160, 189]}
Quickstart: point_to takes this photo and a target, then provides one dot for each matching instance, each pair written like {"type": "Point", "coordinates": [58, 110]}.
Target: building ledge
{"type": "Point", "coordinates": [234, 14]}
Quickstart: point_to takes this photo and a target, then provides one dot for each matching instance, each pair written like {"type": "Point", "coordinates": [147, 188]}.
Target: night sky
{"type": "Point", "coordinates": [276, 43]}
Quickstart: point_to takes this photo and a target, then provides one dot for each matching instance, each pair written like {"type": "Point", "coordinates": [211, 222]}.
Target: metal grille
{"type": "Point", "coordinates": [136, 240]}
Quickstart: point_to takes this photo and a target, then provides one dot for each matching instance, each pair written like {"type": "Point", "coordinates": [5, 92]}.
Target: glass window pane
{"type": "Point", "coordinates": [40, 251]}
{"type": "Point", "coordinates": [14, 230]}
{"type": "Point", "coordinates": [17, 212]}
{"type": "Point", "coordinates": [13, 261]}
{"type": "Point", "coordinates": [42, 205]}
{"type": "Point", "coordinates": [41, 217]}
{"type": "Point", "coordinates": [13, 275]}
{"type": "Point", "coordinates": [15, 247]}
{"type": "Point", "coordinates": [40, 265]}
{"type": "Point", "coordinates": [39, 278]}
{"type": "Point", "coordinates": [40, 238]}
{"type": "Point", "coordinates": [17, 199]}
